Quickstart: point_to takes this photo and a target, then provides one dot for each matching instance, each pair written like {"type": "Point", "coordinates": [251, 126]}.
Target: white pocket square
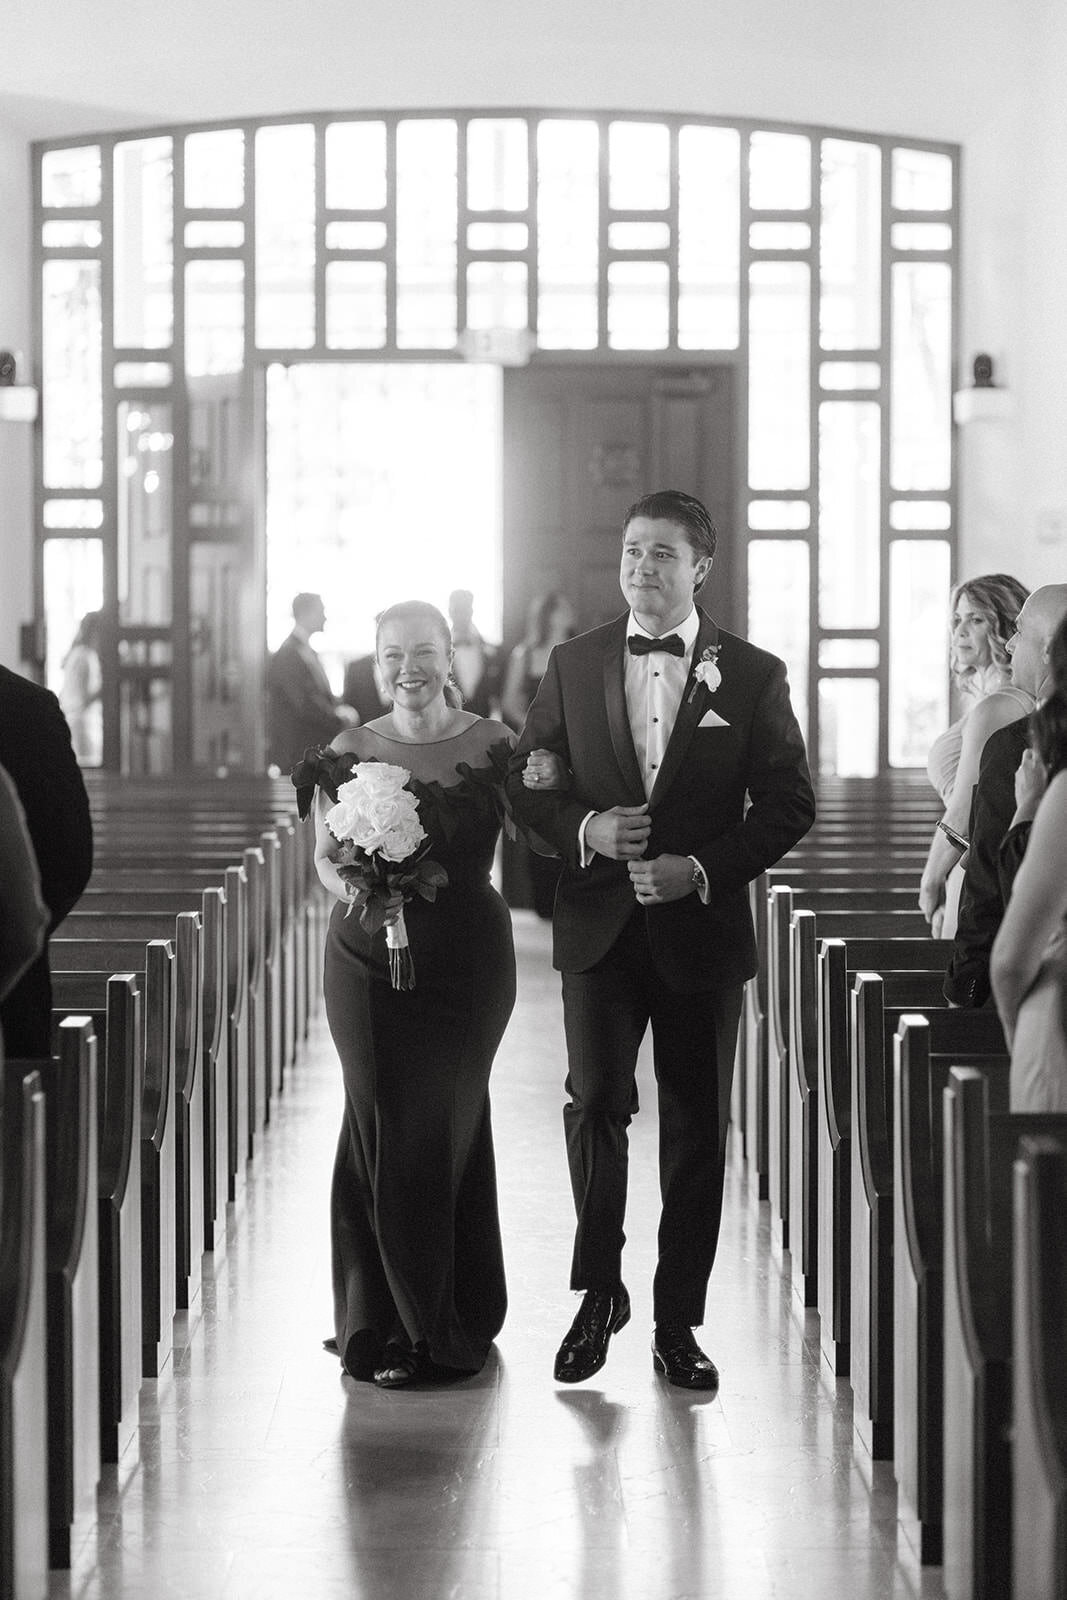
{"type": "Point", "coordinates": [711, 719]}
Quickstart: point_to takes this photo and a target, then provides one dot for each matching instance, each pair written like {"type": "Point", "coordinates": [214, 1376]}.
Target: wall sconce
{"type": "Point", "coordinates": [984, 401]}
{"type": "Point", "coordinates": [18, 401]}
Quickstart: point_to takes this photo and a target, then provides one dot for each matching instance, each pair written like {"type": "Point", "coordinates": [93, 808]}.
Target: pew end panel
{"type": "Point", "coordinates": [802, 1114]}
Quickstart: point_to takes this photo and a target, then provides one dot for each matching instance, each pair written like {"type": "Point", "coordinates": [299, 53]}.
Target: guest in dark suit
{"type": "Point", "coordinates": [363, 689]}
{"type": "Point", "coordinates": [23, 913]}
{"type": "Point", "coordinates": [667, 725]}
{"type": "Point", "coordinates": [35, 748]}
{"type": "Point", "coordinates": [475, 665]}
{"type": "Point", "coordinates": [302, 708]}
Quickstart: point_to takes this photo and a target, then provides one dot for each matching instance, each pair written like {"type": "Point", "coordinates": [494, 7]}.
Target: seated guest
{"type": "Point", "coordinates": [302, 709]}
{"type": "Point", "coordinates": [994, 808]}
{"type": "Point", "coordinates": [983, 617]}
{"type": "Point", "coordinates": [35, 747]}
{"type": "Point", "coordinates": [1028, 965]}
{"type": "Point", "coordinates": [23, 913]}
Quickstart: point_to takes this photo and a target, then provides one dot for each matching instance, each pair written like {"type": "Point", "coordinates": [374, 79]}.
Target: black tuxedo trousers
{"type": "Point", "coordinates": [607, 1010]}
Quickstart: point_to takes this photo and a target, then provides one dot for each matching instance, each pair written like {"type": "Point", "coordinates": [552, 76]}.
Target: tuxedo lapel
{"type": "Point", "coordinates": [622, 739]}
{"type": "Point", "coordinates": [690, 711]}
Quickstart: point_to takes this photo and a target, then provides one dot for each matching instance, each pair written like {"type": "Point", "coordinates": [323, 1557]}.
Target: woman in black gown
{"type": "Point", "coordinates": [418, 1271]}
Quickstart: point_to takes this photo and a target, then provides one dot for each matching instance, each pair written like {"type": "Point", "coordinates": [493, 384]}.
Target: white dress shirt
{"type": "Point", "coordinates": [654, 685]}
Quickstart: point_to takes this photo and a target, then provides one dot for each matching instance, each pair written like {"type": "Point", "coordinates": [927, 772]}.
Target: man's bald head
{"type": "Point", "coordinates": [1038, 620]}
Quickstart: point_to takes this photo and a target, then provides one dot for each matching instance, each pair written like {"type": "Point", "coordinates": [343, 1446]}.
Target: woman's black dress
{"type": "Point", "coordinates": [415, 1228]}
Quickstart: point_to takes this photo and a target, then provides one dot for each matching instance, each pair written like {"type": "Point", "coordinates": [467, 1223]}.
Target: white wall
{"type": "Point", "coordinates": [16, 438]}
{"type": "Point", "coordinates": [982, 73]}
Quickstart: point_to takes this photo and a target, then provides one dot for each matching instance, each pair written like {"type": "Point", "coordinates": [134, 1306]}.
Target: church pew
{"type": "Point", "coordinates": [871, 1182]}
{"type": "Point", "coordinates": [1039, 1377]}
{"type": "Point", "coordinates": [925, 1048]}
{"type": "Point", "coordinates": [980, 1150]}
{"type": "Point", "coordinates": [23, 1338]}
{"type": "Point", "coordinates": [750, 1115]}
{"type": "Point", "coordinates": [72, 1225]}
{"type": "Point", "coordinates": [77, 946]}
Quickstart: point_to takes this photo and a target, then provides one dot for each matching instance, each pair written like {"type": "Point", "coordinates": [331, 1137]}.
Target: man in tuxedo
{"type": "Point", "coordinates": [669, 727]}
{"type": "Point", "coordinates": [474, 662]}
{"type": "Point", "coordinates": [987, 873]}
{"type": "Point", "coordinates": [302, 708]}
{"type": "Point", "coordinates": [35, 748]}
{"type": "Point", "coordinates": [363, 689]}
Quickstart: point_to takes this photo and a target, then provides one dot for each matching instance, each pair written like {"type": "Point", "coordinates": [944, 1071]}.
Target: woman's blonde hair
{"type": "Point", "coordinates": [999, 598]}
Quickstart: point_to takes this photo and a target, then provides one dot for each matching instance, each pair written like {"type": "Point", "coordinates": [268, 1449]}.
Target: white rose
{"type": "Point", "coordinates": [375, 811]}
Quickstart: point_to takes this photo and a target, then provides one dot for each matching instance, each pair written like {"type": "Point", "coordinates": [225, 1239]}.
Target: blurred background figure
{"type": "Point", "coordinates": [364, 690]}
{"type": "Point", "coordinates": [79, 692]}
{"type": "Point", "coordinates": [984, 611]}
{"type": "Point", "coordinates": [302, 709]}
{"type": "Point", "coordinates": [474, 662]}
{"type": "Point", "coordinates": [550, 620]}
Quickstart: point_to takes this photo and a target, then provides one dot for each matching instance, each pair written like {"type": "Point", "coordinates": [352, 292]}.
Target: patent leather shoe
{"type": "Point", "coordinates": [585, 1347]}
{"type": "Point", "coordinates": [676, 1354]}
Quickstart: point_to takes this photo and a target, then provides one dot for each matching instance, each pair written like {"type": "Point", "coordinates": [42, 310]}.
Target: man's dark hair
{"type": "Point", "coordinates": [1048, 724]}
{"type": "Point", "coordinates": [671, 505]}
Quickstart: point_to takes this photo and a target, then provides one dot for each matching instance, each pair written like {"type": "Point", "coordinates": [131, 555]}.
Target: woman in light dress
{"type": "Point", "coordinates": [1029, 961]}
{"type": "Point", "coordinates": [983, 619]}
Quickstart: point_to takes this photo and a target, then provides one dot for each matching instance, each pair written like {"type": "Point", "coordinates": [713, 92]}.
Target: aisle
{"type": "Point", "coordinates": [260, 1474]}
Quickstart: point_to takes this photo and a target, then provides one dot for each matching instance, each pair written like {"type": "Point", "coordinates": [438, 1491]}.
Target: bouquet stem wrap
{"type": "Point", "coordinates": [401, 966]}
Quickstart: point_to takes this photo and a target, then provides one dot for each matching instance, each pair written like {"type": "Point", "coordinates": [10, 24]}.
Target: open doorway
{"type": "Point", "coordinates": [383, 484]}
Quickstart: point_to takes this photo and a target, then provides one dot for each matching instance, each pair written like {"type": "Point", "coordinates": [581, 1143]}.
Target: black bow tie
{"type": "Point", "coordinates": [638, 645]}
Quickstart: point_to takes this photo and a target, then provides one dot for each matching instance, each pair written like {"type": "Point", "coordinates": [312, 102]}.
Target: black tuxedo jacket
{"type": "Point", "coordinates": [736, 794]}
{"type": "Point", "coordinates": [302, 711]}
{"type": "Point", "coordinates": [983, 898]}
{"type": "Point", "coordinates": [361, 690]}
{"type": "Point", "coordinates": [35, 748]}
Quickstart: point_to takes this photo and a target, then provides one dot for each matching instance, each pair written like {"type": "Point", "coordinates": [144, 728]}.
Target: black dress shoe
{"type": "Point", "coordinates": [585, 1348]}
{"type": "Point", "coordinates": [682, 1362]}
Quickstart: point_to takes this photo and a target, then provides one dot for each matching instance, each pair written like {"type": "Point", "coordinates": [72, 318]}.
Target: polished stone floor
{"type": "Point", "coordinates": [260, 1473]}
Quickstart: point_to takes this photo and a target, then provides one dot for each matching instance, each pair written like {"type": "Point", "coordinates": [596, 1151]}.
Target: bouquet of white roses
{"type": "Point", "coordinates": [375, 820]}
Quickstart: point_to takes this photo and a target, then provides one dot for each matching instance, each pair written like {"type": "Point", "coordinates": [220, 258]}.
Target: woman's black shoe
{"type": "Point", "coordinates": [397, 1368]}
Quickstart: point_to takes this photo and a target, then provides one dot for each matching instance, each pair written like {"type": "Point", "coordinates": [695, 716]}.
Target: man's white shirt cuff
{"type": "Point", "coordinates": [585, 855]}
{"type": "Point", "coordinates": [702, 886]}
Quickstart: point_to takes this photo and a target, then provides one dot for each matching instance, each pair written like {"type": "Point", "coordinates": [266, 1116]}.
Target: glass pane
{"type": "Point", "coordinates": [850, 375]}
{"type": "Point", "coordinates": [215, 170]}
{"type": "Point", "coordinates": [850, 259]}
{"type": "Point", "coordinates": [779, 514]}
{"type": "Point", "coordinates": [73, 596]}
{"type": "Point", "coordinates": [71, 235]}
{"type": "Point", "coordinates": [637, 305]}
{"type": "Point", "coordinates": [498, 177]}
{"type": "Point", "coordinates": [285, 236]}
{"type": "Point", "coordinates": [639, 236]}
{"type": "Point", "coordinates": [848, 727]}
{"type": "Point", "coordinates": [919, 591]}
{"type": "Point", "coordinates": [497, 236]}
{"type": "Point", "coordinates": [849, 514]}
{"type": "Point", "coordinates": [922, 181]}
{"type": "Point", "coordinates": [355, 305]}
{"type": "Point", "coordinates": [214, 317]}
{"type": "Point", "coordinates": [639, 156]}
{"type": "Point", "coordinates": [214, 235]}
{"type": "Point", "coordinates": [848, 652]}
{"type": "Point", "coordinates": [568, 209]}
{"type": "Point", "coordinates": [778, 575]}
{"type": "Point", "coordinates": [909, 515]}
{"type": "Point", "coordinates": [778, 403]}
{"type": "Point", "coordinates": [73, 514]}
{"type": "Point", "coordinates": [496, 294]}
{"type": "Point", "coordinates": [779, 172]}
{"type": "Point", "coordinates": [144, 243]}
{"type": "Point", "coordinates": [920, 444]}
{"type": "Point", "coordinates": [142, 374]}
{"type": "Point", "coordinates": [426, 234]}
{"type": "Point", "coordinates": [71, 373]}
{"type": "Point", "coordinates": [779, 235]}
{"type": "Point", "coordinates": [356, 235]}
{"type": "Point", "coordinates": [709, 244]}
{"type": "Point", "coordinates": [921, 236]}
{"type": "Point", "coordinates": [355, 166]}
{"type": "Point", "coordinates": [145, 512]}
{"type": "Point", "coordinates": [71, 177]}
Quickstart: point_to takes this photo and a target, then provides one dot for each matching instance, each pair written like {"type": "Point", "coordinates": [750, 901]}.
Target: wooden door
{"type": "Point", "coordinates": [581, 443]}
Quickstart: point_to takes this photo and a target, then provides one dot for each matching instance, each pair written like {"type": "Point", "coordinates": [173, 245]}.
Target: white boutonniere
{"type": "Point", "coordinates": [707, 672]}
